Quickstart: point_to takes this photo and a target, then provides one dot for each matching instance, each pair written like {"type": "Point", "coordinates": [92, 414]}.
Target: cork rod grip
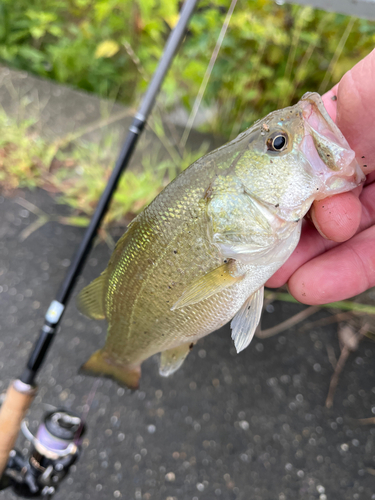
{"type": "Point", "coordinates": [18, 399]}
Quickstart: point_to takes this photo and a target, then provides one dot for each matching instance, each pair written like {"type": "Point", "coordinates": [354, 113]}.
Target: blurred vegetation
{"type": "Point", "coordinates": [270, 56]}
{"type": "Point", "coordinates": [77, 171]}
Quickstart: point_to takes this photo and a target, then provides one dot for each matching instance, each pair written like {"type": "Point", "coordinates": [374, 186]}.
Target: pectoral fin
{"type": "Point", "coordinates": [246, 320]}
{"type": "Point", "coordinates": [171, 360]}
{"type": "Point", "coordinates": [211, 283]}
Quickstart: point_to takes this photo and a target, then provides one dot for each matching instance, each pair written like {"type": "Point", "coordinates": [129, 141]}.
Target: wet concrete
{"type": "Point", "coordinates": [59, 111]}
{"type": "Point", "coordinates": [225, 426]}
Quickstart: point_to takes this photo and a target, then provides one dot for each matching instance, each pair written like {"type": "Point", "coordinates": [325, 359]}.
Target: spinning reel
{"type": "Point", "coordinates": [54, 449]}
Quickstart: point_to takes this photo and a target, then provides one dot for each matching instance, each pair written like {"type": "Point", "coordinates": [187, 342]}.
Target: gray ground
{"type": "Point", "coordinates": [225, 426]}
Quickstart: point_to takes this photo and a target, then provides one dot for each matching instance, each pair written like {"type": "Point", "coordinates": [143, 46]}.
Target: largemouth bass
{"type": "Point", "coordinates": [201, 252]}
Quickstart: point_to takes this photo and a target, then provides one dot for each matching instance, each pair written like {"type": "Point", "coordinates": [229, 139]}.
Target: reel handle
{"type": "Point", "coordinates": [17, 401]}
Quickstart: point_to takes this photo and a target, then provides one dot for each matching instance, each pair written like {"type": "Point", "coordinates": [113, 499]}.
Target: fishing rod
{"type": "Point", "coordinates": [22, 391]}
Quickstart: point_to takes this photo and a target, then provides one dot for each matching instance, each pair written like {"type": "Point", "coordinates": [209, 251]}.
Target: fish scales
{"type": "Point", "coordinates": [200, 253]}
{"type": "Point", "coordinates": [149, 253]}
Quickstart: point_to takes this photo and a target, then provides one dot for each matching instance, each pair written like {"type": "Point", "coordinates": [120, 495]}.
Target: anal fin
{"type": "Point", "coordinates": [211, 283]}
{"type": "Point", "coordinates": [102, 364]}
{"type": "Point", "coordinates": [172, 359]}
{"type": "Point", "coordinates": [90, 301]}
{"type": "Point", "coordinates": [246, 320]}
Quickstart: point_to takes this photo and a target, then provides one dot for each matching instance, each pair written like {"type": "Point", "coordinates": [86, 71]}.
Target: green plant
{"type": "Point", "coordinates": [270, 56]}
{"type": "Point", "coordinates": [78, 171]}
{"type": "Point", "coordinates": [24, 155]}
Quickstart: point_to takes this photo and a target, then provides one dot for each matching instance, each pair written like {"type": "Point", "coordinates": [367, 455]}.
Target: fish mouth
{"type": "Point", "coordinates": [330, 157]}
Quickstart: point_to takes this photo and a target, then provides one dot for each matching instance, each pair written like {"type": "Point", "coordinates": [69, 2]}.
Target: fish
{"type": "Point", "coordinates": [199, 254]}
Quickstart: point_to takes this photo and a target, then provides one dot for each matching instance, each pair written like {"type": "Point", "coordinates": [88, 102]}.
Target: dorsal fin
{"type": "Point", "coordinates": [90, 301]}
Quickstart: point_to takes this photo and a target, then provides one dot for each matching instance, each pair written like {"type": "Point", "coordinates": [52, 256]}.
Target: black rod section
{"type": "Point", "coordinates": [101, 209]}
{"type": "Point", "coordinates": [57, 306]}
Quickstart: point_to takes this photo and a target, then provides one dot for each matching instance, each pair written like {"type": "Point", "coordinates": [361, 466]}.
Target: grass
{"type": "Point", "coordinates": [76, 171]}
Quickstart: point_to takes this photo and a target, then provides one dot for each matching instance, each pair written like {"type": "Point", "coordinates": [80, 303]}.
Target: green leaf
{"type": "Point", "coordinates": [107, 48]}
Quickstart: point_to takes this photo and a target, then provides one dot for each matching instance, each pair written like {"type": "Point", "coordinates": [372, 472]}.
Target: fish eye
{"type": "Point", "coordinates": [278, 141]}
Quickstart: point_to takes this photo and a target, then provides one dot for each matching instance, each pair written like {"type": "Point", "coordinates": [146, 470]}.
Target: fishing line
{"type": "Point", "coordinates": [207, 75]}
{"type": "Point", "coordinates": [86, 409]}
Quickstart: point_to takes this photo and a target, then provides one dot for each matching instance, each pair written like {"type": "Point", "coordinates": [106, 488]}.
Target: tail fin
{"type": "Point", "coordinates": [91, 299]}
{"type": "Point", "coordinates": [102, 364]}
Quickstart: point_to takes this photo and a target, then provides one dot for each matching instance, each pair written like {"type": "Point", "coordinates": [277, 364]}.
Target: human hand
{"type": "Point", "coordinates": [340, 261]}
